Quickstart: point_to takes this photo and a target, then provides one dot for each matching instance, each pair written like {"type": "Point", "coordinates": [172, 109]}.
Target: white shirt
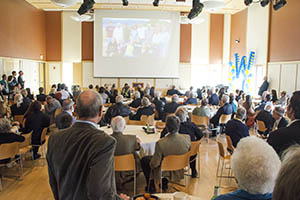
{"type": "Point", "coordinates": [64, 94]}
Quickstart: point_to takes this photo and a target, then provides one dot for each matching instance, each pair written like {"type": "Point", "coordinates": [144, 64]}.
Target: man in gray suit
{"type": "Point", "coordinates": [172, 144]}
{"type": "Point", "coordinates": [126, 144]}
{"type": "Point", "coordinates": [80, 159]}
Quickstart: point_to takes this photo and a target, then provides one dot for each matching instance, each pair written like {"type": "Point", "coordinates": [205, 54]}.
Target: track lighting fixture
{"type": "Point", "coordinates": [155, 3]}
{"type": "Point", "coordinates": [264, 3]}
{"type": "Point", "coordinates": [125, 2]}
{"type": "Point", "coordinates": [279, 4]}
{"type": "Point", "coordinates": [196, 9]}
{"type": "Point", "coordinates": [248, 2]}
{"type": "Point", "coordinates": [86, 6]}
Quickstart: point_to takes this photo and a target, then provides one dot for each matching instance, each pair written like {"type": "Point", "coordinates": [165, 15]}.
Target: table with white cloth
{"type": "Point", "coordinates": [181, 100]}
{"type": "Point", "coordinates": [190, 108]}
{"type": "Point", "coordinates": [148, 141]}
{"type": "Point", "coordinates": [169, 196]}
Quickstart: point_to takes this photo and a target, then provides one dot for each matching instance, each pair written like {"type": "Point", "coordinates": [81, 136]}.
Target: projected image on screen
{"type": "Point", "coordinates": [135, 37]}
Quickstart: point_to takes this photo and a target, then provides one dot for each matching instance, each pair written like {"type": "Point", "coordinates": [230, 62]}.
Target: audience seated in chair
{"type": "Point", "coordinates": [136, 100]}
{"type": "Point", "coordinates": [159, 105]}
{"type": "Point", "coordinates": [19, 107]}
{"type": "Point", "coordinates": [266, 117]}
{"type": "Point", "coordinates": [282, 101]}
{"type": "Point", "coordinates": [213, 98]}
{"type": "Point", "coordinates": [41, 97]}
{"type": "Point", "coordinates": [126, 144]}
{"type": "Point", "coordinates": [235, 128]}
{"type": "Point", "coordinates": [203, 110]}
{"type": "Point", "coordinates": [171, 107]}
{"type": "Point", "coordinates": [172, 144]}
{"type": "Point", "coordinates": [145, 109]}
{"type": "Point", "coordinates": [255, 165]}
{"type": "Point", "coordinates": [126, 91]}
{"type": "Point", "coordinates": [103, 95]}
{"type": "Point", "coordinates": [173, 91]}
{"type": "Point", "coordinates": [117, 109]}
{"type": "Point", "coordinates": [280, 121]}
{"type": "Point", "coordinates": [51, 106]}
{"type": "Point", "coordinates": [189, 128]}
{"type": "Point", "coordinates": [68, 108]}
{"type": "Point", "coordinates": [26, 99]}
{"type": "Point", "coordinates": [65, 121]}
{"type": "Point", "coordinates": [192, 99]}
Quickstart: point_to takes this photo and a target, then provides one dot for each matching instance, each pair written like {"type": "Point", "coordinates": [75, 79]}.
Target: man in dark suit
{"type": "Point", "coordinates": [117, 109]}
{"type": "Point", "coordinates": [85, 154]}
{"type": "Point", "coordinates": [145, 109]}
{"type": "Point", "coordinates": [159, 105]}
{"type": "Point", "coordinates": [171, 107]}
{"type": "Point", "coordinates": [14, 81]}
{"type": "Point", "coordinates": [280, 121]}
{"type": "Point", "coordinates": [20, 79]}
{"type": "Point", "coordinates": [173, 91]}
{"type": "Point", "coordinates": [283, 138]}
{"type": "Point", "coordinates": [264, 86]}
{"type": "Point", "coordinates": [213, 98]}
{"type": "Point", "coordinates": [136, 101]}
{"type": "Point", "coordinates": [266, 116]}
{"type": "Point", "coordinates": [226, 109]}
{"type": "Point", "coordinates": [126, 144]}
{"type": "Point", "coordinates": [68, 108]}
{"type": "Point", "coordinates": [235, 128]}
{"type": "Point", "coordinates": [41, 97]}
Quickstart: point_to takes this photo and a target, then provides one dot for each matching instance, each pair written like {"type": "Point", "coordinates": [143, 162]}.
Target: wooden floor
{"type": "Point", "coordinates": [35, 184]}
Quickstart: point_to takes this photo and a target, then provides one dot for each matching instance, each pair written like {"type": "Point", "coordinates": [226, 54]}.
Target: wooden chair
{"type": "Point", "coordinates": [202, 121]}
{"type": "Point", "coordinates": [126, 119]}
{"type": "Point", "coordinates": [174, 163]}
{"type": "Point", "coordinates": [57, 112]}
{"type": "Point", "coordinates": [261, 126]}
{"type": "Point", "coordinates": [20, 119]}
{"type": "Point", "coordinates": [148, 119]}
{"type": "Point", "coordinates": [160, 125]}
{"type": "Point", "coordinates": [42, 143]}
{"type": "Point", "coordinates": [230, 147]}
{"type": "Point", "coordinates": [10, 151]}
{"type": "Point", "coordinates": [126, 163]}
{"type": "Point", "coordinates": [223, 120]}
{"type": "Point", "coordinates": [195, 150]}
{"type": "Point", "coordinates": [27, 141]}
{"type": "Point", "coordinates": [223, 158]}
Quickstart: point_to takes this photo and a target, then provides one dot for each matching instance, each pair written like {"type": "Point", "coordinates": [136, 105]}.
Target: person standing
{"type": "Point", "coordinates": [14, 79]}
{"type": "Point", "coordinates": [83, 165]}
{"type": "Point", "coordinates": [264, 86]}
{"type": "Point", "coordinates": [20, 79]}
{"type": "Point", "coordinates": [4, 82]}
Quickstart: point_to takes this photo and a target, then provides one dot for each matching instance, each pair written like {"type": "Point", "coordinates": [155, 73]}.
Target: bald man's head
{"type": "Point", "coordinates": [88, 104]}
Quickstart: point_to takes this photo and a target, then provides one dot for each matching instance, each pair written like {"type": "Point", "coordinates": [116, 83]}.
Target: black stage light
{"type": "Point", "coordinates": [196, 9]}
{"type": "Point", "coordinates": [155, 3]}
{"type": "Point", "coordinates": [86, 6]}
{"type": "Point", "coordinates": [125, 2]}
{"type": "Point", "coordinates": [279, 4]}
{"type": "Point", "coordinates": [264, 3]}
{"type": "Point", "coordinates": [247, 2]}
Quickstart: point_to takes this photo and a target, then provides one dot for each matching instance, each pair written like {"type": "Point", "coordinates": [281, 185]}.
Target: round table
{"type": "Point", "coordinates": [148, 141]}
{"type": "Point", "coordinates": [169, 196]}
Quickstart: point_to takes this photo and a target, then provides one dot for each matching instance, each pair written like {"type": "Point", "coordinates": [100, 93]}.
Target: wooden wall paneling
{"type": "Point", "coordinates": [87, 41]}
{"type": "Point", "coordinates": [216, 38]}
{"type": "Point", "coordinates": [77, 74]}
{"type": "Point", "coordinates": [185, 43]}
{"type": "Point", "coordinates": [288, 77]}
{"type": "Point", "coordinates": [274, 76]}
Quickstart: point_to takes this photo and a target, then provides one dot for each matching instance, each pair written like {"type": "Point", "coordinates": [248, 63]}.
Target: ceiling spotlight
{"type": "Point", "coordinates": [125, 2]}
{"type": "Point", "coordinates": [86, 6]}
{"type": "Point", "coordinates": [264, 3]}
{"type": "Point", "coordinates": [279, 4]}
{"type": "Point", "coordinates": [196, 10]}
{"type": "Point", "coordinates": [155, 3]}
{"type": "Point", "coordinates": [247, 2]}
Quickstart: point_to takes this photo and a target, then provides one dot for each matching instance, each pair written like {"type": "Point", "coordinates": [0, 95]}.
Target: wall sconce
{"type": "Point", "coordinates": [237, 41]}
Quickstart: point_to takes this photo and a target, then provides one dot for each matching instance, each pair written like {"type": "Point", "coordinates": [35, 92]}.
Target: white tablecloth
{"type": "Point", "coordinates": [169, 196]}
{"type": "Point", "coordinates": [147, 140]}
{"type": "Point", "coordinates": [180, 101]}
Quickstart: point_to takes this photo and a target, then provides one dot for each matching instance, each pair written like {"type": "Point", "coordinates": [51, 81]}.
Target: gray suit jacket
{"type": "Point", "coordinates": [80, 164]}
{"type": "Point", "coordinates": [172, 144]}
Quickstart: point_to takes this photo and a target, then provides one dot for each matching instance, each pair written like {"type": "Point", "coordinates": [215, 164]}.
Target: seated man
{"type": "Point", "coordinates": [266, 116]}
{"type": "Point", "coordinates": [68, 108]}
{"type": "Point", "coordinates": [203, 110]}
{"type": "Point", "coordinates": [235, 128]}
{"type": "Point", "coordinates": [126, 144]}
{"type": "Point", "coordinates": [41, 97]}
{"type": "Point", "coordinates": [19, 107]}
{"type": "Point", "coordinates": [280, 121]}
{"type": "Point", "coordinates": [255, 165]}
{"type": "Point", "coordinates": [282, 100]}
{"type": "Point", "coordinates": [66, 121]}
{"type": "Point", "coordinates": [189, 92]}
{"type": "Point", "coordinates": [117, 109]}
{"type": "Point", "coordinates": [171, 107]}
{"type": "Point", "coordinates": [226, 109]}
{"type": "Point", "coordinates": [145, 109]}
{"type": "Point", "coordinates": [173, 91]}
{"type": "Point", "coordinates": [173, 144]}
{"type": "Point", "coordinates": [51, 106]}
{"type": "Point", "coordinates": [213, 97]}
{"type": "Point", "coordinates": [189, 128]}
{"type": "Point", "coordinates": [136, 100]}
{"type": "Point", "coordinates": [266, 101]}
{"type": "Point", "coordinates": [192, 99]}
{"type": "Point", "coordinates": [159, 105]}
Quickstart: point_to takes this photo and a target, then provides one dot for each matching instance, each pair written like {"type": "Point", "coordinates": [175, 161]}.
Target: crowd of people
{"type": "Point", "coordinates": [92, 173]}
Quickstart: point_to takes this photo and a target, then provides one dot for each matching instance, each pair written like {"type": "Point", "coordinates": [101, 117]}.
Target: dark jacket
{"type": "Point", "coordinates": [19, 110]}
{"type": "Point", "coordinates": [159, 106]}
{"type": "Point", "coordinates": [21, 81]}
{"type": "Point", "coordinates": [58, 120]}
{"type": "Point", "coordinates": [283, 138]}
{"type": "Point", "coordinates": [191, 101]}
{"type": "Point", "coordinates": [27, 100]}
{"type": "Point", "coordinates": [115, 110]}
{"type": "Point", "coordinates": [143, 111]}
{"type": "Point", "coordinates": [282, 123]}
{"type": "Point", "coordinates": [268, 120]}
{"type": "Point", "coordinates": [226, 109]}
{"type": "Point", "coordinates": [236, 130]}
{"type": "Point", "coordinates": [170, 108]}
{"type": "Point", "coordinates": [188, 128]}
{"type": "Point", "coordinates": [82, 167]}
{"type": "Point", "coordinates": [171, 92]}
{"type": "Point", "coordinates": [243, 195]}
{"type": "Point", "coordinates": [6, 138]}
{"type": "Point", "coordinates": [213, 100]}
{"type": "Point", "coordinates": [36, 122]}
{"type": "Point", "coordinates": [135, 103]}
{"type": "Point", "coordinates": [263, 87]}
{"type": "Point", "coordinates": [41, 97]}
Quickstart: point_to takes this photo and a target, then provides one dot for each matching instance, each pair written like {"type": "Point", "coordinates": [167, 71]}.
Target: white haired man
{"type": "Point", "coordinates": [159, 105]}
{"type": "Point", "coordinates": [117, 109]}
{"type": "Point", "coordinates": [266, 117]}
{"type": "Point", "coordinates": [255, 165]}
{"type": "Point", "coordinates": [280, 121]}
{"type": "Point", "coordinates": [171, 107]}
{"type": "Point", "coordinates": [145, 109]}
{"type": "Point", "coordinates": [126, 144]}
{"type": "Point", "coordinates": [68, 108]}
{"type": "Point", "coordinates": [136, 100]}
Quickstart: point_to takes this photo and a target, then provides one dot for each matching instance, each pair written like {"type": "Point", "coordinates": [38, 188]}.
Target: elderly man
{"type": "Point", "coordinates": [282, 138]}
{"type": "Point", "coordinates": [192, 99]}
{"type": "Point", "coordinates": [82, 167]}
{"type": "Point", "coordinates": [136, 101]}
{"type": "Point", "coordinates": [213, 98]}
{"type": "Point", "coordinates": [226, 109]}
{"type": "Point", "coordinates": [117, 109]}
{"type": "Point", "coordinates": [68, 108]}
{"type": "Point", "coordinates": [145, 109]}
{"type": "Point", "coordinates": [255, 165]}
{"type": "Point", "coordinates": [280, 121]}
{"type": "Point", "coordinates": [171, 107]}
{"type": "Point", "coordinates": [172, 144]}
{"type": "Point", "coordinates": [264, 86]}
{"type": "Point", "coordinates": [51, 106]}
{"type": "Point", "coordinates": [189, 128]}
{"type": "Point", "coordinates": [266, 117]}
{"type": "Point", "coordinates": [159, 105]}
{"type": "Point", "coordinates": [235, 128]}
{"type": "Point", "coordinates": [126, 144]}
{"type": "Point", "coordinates": [173, 91]}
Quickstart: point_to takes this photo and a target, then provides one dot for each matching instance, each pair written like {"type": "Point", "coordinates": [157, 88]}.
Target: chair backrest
{"type": "Point", "coordinates": [9, 150]}
{"type": "Point", "coordinates": [229, 143]}
{"type": "Point", "coordinates": [43, 136]}
{"type": "Point", "coordinates": [27, 141]}
{"type": "Point", "coordinates": [221, 149]}
{"type": "Point", "coordinates": [148, 119]}
{"type": "Point", "coordinates": [261, 126]}
{"type": "Point", "coordinates": [19, 118]}
{"type": "Point", "coordinates": [195, 147]}
{"type": "Point", "coordinates": [200, 120]}
{"type": "Point", "coordinates": [57, 112]}
{"type": "Point", "coordinates": [124, 163]}
{"type": "Point", "coordinates": [126, 119]}
{"type": "Point", "coordinates": [160, 125]}
{"type": "Point", "coordinates": [175, 162]}
{"type": "Point", "coordinates": [224, 118]}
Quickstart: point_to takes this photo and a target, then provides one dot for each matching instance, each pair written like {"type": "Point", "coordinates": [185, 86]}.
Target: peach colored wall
{"type": "Point", "coordinates": [216, 38]}
{"type": "Point", "coordinates": [185, 43]}
{"type": "Point", "coordinates": [87, 45]}
{"type": "Point", "coordinates": [53, 36]}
